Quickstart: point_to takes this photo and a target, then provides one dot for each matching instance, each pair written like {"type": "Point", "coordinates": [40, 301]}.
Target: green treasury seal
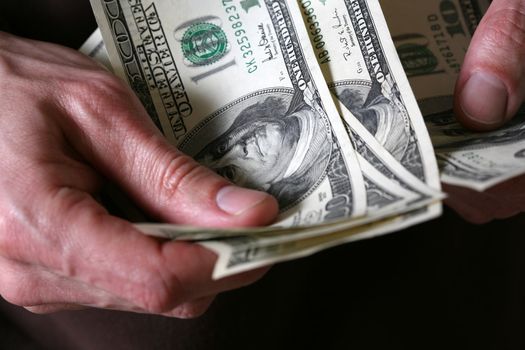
{"type": "Point", "coordinates": [204, 43]}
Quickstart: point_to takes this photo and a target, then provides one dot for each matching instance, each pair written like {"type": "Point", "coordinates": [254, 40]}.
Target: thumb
{"type": "Point", "coordinates": [491, 86]}
{"type": "Point", "coordinates": [174, 187]}
{"type": "Point", "coordinates": [127, 148]}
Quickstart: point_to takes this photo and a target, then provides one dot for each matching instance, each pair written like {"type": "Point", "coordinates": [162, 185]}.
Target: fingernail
{"type": "Point", "coordinates": [484, 99]}
{"type": "Point", "coordinates": [236, 200]}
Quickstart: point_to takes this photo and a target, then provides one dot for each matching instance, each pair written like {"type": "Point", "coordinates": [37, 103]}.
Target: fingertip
{"type": "Point", "coordinates": [192, 310]}
{"type": "Point", "coordinates": [247, 207]}
{"type": "Point", "coordinates": [482, 102]}
{"type": "Point", "coordinates": [491, 88]}
{"type": "Point", "coordinates": [193, 266]}
{"type": "Point", "coordinates": [54, 308]}
{"type": "Point", "coordinates": [236, 201]}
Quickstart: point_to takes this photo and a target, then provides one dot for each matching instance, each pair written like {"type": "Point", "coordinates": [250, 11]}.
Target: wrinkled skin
{"type": "Point", "coordinates": [67, 125]}
{"type": "Point", "coordinates": [495, 64]}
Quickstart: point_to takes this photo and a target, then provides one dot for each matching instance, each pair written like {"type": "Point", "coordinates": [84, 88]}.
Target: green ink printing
{"type": "Point", "coordinates": [204, 43]}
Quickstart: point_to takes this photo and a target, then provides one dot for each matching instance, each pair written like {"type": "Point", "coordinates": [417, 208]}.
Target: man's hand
{"type": "Point", "coordinates": [489, 92]}
{"type": "Point", "coordinates": [491, 86]}
{"type": "Point", "coordinates": [66, 124]}
{"type": "Point", "coordinates": [499, 202]}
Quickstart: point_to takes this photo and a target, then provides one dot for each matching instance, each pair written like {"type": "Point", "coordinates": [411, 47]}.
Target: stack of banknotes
{"type": "Point", "coordinates": [310, 101]}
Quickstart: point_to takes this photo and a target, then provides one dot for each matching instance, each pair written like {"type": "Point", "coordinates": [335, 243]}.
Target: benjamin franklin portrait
{"type": "Point", "coordinates": [272, 146]}
{"type": "Point", "coordinates": [378, 114]}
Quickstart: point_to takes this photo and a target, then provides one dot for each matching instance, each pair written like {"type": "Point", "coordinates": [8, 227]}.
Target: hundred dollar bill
{"type": "Point", "coordinates": [239, 254]}
{"type": "Point", "coordinates": [240, 251]}
{"type": "Point", "coordinates": [475, 160]}
{"type": "Point", "coordinates": [95, 48]}
{"type": "Point", "coordinates": [142, 55]}
{"type": "Point", "coordinates": [419, 203]}
{"type": "Point", "coordinates": [360, 64]}
{"type": "Point", "coordinates": [286, 234]}
{"type": "Point", "coordinates": [384, 192]}
{"type": "Point", "coordinates": [432, 38]}
{"type": "Point", "coordinates": [261, 117]}
{"type": "Point", "coordinates": [386, 196]}
{"type": "Point", "coordinates": [370, 151]}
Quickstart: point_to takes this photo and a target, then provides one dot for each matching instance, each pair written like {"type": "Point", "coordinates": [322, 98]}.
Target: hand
{"type": "Point", "coordinates": [491, 86]}
{"type": "Point", "coordinates": [499, 202]}
{"type": "Point", "coordinates": [66, 124]}
{"type": "Point", "coordinates": [489, 92]}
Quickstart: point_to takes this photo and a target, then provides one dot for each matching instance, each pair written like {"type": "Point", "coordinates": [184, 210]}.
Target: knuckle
{"type": "Point", "coordinates": [59, 246]}
{"type": "Point", "coordinates": [92, 92]}
{"type": "Point", "coordinates": [179, 171]}
{"type": "Point", "coordinates": [10, 75]}
{"type": "Point", "coordinates": [192, 310]}
{"type": "Point", "coordinates": [6, 41]}
{"type": "Point", "coordinates": [155, 300]}
{"type": "Point", "coordinates": [188, 312]}
{"type": "Point", "coordinates": [10, 229]}
{"type": "Point", "coordinates": [10, 292]}
{"type": "Point", "coordinates": [13, 295]}
{"type": "Point", "coordinates": [17, 289]}
{"type": "Point", "coordinates": [157, 293]}
{"type": "Point", "coordinates": [91, 98]}
{"type": "Point", "coordinates": [5, 63]}
{"type": "Point", "coordinates": [71, 206]}
{"type": "Point", "coordinates": [74, 204]}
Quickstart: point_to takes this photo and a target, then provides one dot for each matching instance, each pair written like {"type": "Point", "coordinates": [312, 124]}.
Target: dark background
{"type": "Point", "coordinates": [445, 284]}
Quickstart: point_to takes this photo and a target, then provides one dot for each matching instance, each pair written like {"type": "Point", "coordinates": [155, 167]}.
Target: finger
{"type": "Point", "coordinates": [188, 310]}
{"type": "Point", "coordinates": [42, 292]}
{"type": "Point", "coordinates": [66, 231]}
{"type": "Point", "coordinates": [36, 287]}
{"type": "Point", "coordinates": [195, 268]}
{"type": "Point", "coordinates": [52, 308]}
{"type": "Point", "coordinates": [499, 202]}
{"type": "Point", "coordinates": [118, 137]}
{"type": "Point", "coordinates": [192, 309]}
{"type": "Point", "coordinates": [475, 207]}
{"type": "Point", "coordinates": [86, 244]}
{"type": "Point", "coordinates": [491, 86]}
{"type": "Point", "coordinates": [62, 171]}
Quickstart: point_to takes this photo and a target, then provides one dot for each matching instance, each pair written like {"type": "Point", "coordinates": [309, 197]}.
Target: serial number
{"type": "Point", "coordinates": [314, 29]}
{"type": "Point", "coordinates": [440, 38]}
{"type": "Point", "coordinates": [243, 43]}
